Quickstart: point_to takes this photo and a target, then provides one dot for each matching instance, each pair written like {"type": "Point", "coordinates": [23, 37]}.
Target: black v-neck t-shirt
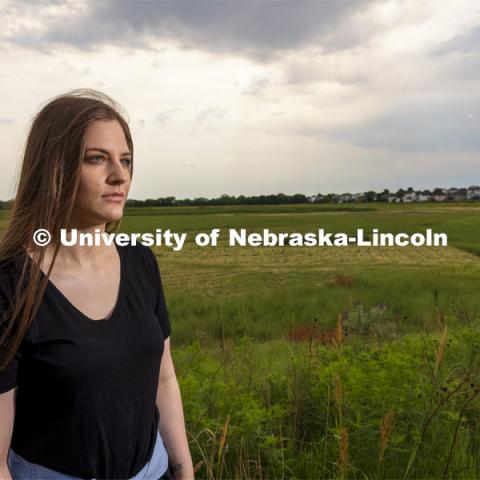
{"type": "Point", "coordinates": [86, 389]}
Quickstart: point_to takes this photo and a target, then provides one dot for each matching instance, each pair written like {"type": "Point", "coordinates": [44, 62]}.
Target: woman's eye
{"type": "Point", "coordinates": [94, 157]}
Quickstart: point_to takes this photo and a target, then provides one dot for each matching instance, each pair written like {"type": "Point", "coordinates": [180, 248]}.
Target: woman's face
{"type": "Point", "coordinates": [105, 170]}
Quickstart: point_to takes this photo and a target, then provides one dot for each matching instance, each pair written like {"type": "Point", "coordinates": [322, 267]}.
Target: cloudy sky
{"type": "Point", "coordinates": [258, 97]}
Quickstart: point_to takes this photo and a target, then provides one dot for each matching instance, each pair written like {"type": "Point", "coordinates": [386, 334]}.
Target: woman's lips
{"type": "Point", "coordinates": [114, 197]}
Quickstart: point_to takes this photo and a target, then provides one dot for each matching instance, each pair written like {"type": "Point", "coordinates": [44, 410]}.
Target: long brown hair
{"type": "Point", "coordinates": [45, 197]}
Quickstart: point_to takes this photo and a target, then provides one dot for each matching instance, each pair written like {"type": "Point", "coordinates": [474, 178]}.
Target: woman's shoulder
{"type": "Point", "coordinates": [9, 269]}
{"type": "Point", "coordinates": [9, 274]}
{"type": "Point", "coordinates": [141, 261]}
{"type": "Point", "coordinates": [137, 250]}
{"type": "Point", "coordinates": [139, 255]}
{"type": "Point", "coordinates": [6, 277]}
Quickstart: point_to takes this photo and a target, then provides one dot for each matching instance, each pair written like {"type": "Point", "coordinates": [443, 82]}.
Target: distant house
{"type": "Point", "coordinates": [359, 197]}
{"type": "Point", "coordinates": [457, 194]}
{"type": "Point", "coordinates": [409, 197]}
{"type": "Point", "coordinates": [345, 197]}
{"type": "Point", "coordinates": [473, 193]}
{"type": "Point", "coordinates": [440, 197]}
{"type": "Point", "coordinates": [424, 196]}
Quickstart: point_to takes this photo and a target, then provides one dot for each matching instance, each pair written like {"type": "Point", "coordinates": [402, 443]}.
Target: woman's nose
{"type": "Point", "coordinates": [118, 171]}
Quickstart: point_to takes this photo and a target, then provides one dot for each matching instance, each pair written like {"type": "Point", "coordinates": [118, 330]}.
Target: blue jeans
{"type": "Point", "coordinates": [157, 468]}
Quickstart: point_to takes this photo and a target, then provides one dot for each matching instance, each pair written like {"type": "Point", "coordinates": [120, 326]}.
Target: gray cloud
{"type": "Point", "coordinates": [301, 72]}
{"type": "Point", "coordinates": [166, 115]}
{"type": "Point", "coordinates": [464, 43]}
{"type": "Point", "coordinates": [416, 125]}
{"type": "Point", "coordinates": [257, 86]}
{"type": "Point", "coordinates": [211, 113]}
{"type": "Point", "coordinates": [260, 29]}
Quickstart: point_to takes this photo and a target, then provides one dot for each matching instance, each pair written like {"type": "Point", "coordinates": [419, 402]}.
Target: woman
{"type": "Point", "coordinates": [87, 384]}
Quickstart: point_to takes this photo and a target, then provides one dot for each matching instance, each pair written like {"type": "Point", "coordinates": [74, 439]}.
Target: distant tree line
{"type": "Point", "coordinates": [402, 195]}
{"type": "Point", "coordinates": [437, 194]}
{"type": "Point", "coordinates": [224, 199]}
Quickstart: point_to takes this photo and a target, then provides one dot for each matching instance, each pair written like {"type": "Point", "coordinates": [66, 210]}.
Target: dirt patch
{"type": "Point", "coordinates": [340, 280]}
{"type": "Point", "coordinates": [303, 333]}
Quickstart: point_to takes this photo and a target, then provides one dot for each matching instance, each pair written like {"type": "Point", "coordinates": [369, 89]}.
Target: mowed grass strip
{"type": "Point", "coordinates": [207, 267]}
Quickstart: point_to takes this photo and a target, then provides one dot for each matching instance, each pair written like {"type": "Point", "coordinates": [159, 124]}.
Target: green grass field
{"type": "Point", "coordinates": [396, 395]}
{"type": "Point", "coordinates": [265, 290]}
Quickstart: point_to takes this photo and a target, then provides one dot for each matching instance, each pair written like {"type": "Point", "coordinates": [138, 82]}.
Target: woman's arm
{"type": "Point", "coordinates": [172, 421]}
{"type": "Point", "coordinates": [7, 412]}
